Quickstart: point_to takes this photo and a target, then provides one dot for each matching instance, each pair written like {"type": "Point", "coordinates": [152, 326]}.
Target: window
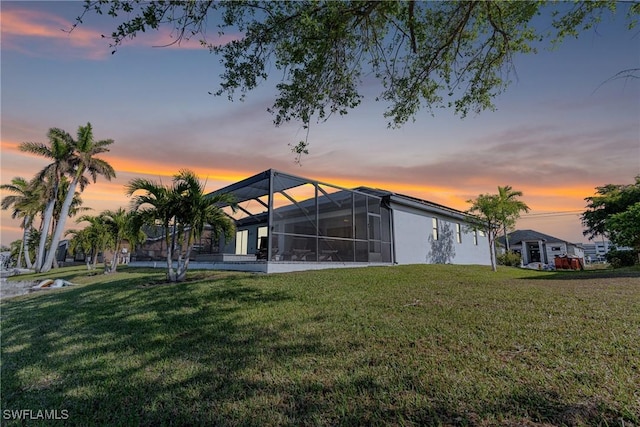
{"type": "Point", "coordinates": [475, 237]}
{"type": "Point", "coordinates": [262, 232]}
{"type": "Point", "coordinates": [241, 242]}
{"type": "Point", "coordinates": [458, 233]}
{"type": "Point", "coordinates": [556, 248]}
{"type": "Point", "coordinates": [434, 223]}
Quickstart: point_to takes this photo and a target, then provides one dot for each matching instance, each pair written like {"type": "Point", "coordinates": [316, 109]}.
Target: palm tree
{"type": "Point", "coordinates": [182, 210]}
{"type": "Point", "coordinates": [93, 239]}
{"type": "Point", "coordinates": [81, 241]}
{"type": "Point", "coordinates": [495, 212]}
{"type": "Point", "coordinates": [485, 216]}
{"type": "Point", "coordinates": [76, 203]}
{"type": "Point", "coordinates": [75, 208]}
{"type": "Point", "coordinates": [195, 211]}
{"type": "Point", "coordinates": [156, 205]}
{"type": "Point", "coordinates": [98, 235]}
{"type": "Point", "coordinates": [82, 160]}
{"type": "Point", "coordinates": [122, 225]}
{"type": "Point", "coordinates": [26, 202]}
{"type": "Point", "coordinates": [15, 251]}
{"type": "Point", "coordinates": [510, 208]}
{"type": "Point", "coordinates": [31, 245]}
{"type": "Point", "coordinates": [60, 149]}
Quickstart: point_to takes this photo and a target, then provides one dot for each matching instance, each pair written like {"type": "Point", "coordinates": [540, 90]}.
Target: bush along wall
{"type": "Point", "coordinates": [626, 258]}
{"type": "Point", "coordinates": [510, 259]}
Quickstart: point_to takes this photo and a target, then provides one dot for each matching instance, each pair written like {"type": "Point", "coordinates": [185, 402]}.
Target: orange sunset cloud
{"type": "Point", "coordinates": [160, 169]}
{"type": "Point", "coordinates": [10, 146]}
{"type": "Point", "coordinates": [539, 198]}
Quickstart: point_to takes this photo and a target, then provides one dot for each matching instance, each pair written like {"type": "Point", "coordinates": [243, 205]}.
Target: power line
{"type": "Point", "coordinates": [551, 214]}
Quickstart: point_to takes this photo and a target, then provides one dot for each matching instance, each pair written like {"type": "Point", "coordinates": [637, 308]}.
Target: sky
{"type": "Point", "coordinates": [562, 128]}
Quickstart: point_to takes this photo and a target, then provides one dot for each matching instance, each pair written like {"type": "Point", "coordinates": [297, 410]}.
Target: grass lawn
{"type": "Point", "coordinates": [404, 345]}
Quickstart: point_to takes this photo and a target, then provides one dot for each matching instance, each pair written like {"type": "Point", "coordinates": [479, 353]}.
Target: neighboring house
{"type": "Point", "coordinates": [539, 247]}
{"type": "Point", "coordinates": [154, 247]}
{"type": "Point", "coordinates": [288, 223]}
{"type": "Point", "coordinates": [597, 251]}
{"type": "Point", "coordinates": [64, 255]}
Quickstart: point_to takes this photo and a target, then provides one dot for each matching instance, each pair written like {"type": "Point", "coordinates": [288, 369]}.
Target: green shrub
{"type": "Point", "coordinates": [510, 259]}
{"type": "Point", "coordinates": [619, 258]}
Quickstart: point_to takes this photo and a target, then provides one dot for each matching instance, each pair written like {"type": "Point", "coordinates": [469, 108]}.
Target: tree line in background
{"type": "Point", "coordinates": [51, 194]}
{"type": "Point", "coordinates": [46, 201]}
{"type": "Point", "coordinates": [614, 212]}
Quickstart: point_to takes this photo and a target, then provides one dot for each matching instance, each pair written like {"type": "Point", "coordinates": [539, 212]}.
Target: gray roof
{"type": "Point", "coordinates": [415, 202]}
{"type": "Point", "coordinates": [528, 235]}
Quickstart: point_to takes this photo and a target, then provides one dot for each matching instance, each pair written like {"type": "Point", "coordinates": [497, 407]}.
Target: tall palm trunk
{"type": "Point", "coordinates": [115, 258]}
{"type": "Point", "coordinates": [182, 268]}
{"type": "Point", "coordinates": [492, 249]}
{"type": "Point", "coordinates": [114, 261]}
{"type": "Point", "coordinates": [24, 245]}
{"type": "Point", "coordinates": [180, 240]}
{"type": "Point", "coordinates": [46, 222]}
{"type": "Point", "coordinates": [94, 264]}
{"type": "Point", "coordinates": [171, 274]}
{"type": "Point", "coordinates": [506, 238]}
{"type": "Point", "coordinates": [54, 225]}
{"type": "Point", "coordinates": [25, 241]}
{"type": "Point", "coordinates": [21, 251]}
{"type": "Point", "coordinates": [64, 213]}
{"type": "Point", "coordinates": [87, 259]}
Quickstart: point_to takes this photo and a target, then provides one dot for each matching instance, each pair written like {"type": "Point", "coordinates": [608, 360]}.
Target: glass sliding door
{"type": "Point", "coordinates": [375, 238]}
{"type": "Point", "coordinates": [242, 237]}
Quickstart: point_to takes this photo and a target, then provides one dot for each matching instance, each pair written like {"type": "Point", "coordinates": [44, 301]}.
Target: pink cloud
{"type": "Point", "coordinates": [34, 32]}
{"type": "Point", "coordinates": [39, 33]}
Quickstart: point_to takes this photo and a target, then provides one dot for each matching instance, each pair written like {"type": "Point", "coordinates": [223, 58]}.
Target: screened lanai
{"type": "Point", "coordinates": [284, 219]}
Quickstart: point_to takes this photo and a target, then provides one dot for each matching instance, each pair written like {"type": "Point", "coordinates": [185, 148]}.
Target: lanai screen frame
{"type": "Point", "coordinates": [371, 228]}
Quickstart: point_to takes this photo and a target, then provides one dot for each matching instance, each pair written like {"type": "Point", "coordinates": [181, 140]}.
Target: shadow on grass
{"type": "Point", "coordinates": [121, 354]}
{"type": "Point", "coordinates": [585, 275]}
{"type": "Point", "coordinates": [138, 352]}
{"type": "Point", "coordinates": [546, 406]}
{"type": "Point", "coordinates": [68, 274]}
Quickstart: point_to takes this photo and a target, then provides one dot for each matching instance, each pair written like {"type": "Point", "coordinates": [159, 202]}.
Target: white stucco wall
{"type": "Point", "coordinates": [468, 252]}
{"type": "Point", "coordinates": [562, 249]}
{"type": "Point", "coordinates": [410, 237]}
{"type": "Point", "coordinates": [412, 228]}
{"type": "Point", "coordinates": [555, 249]}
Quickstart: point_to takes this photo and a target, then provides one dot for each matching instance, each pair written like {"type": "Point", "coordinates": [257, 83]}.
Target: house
{"type": "Point", "coordinates": [289, 223]}
{"type": "Point", "coordinates": [65, 256]}
{"type": "Point", "coordinates": [598, 250]}
{"type": "Point", "coordinates": [534, 246]}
